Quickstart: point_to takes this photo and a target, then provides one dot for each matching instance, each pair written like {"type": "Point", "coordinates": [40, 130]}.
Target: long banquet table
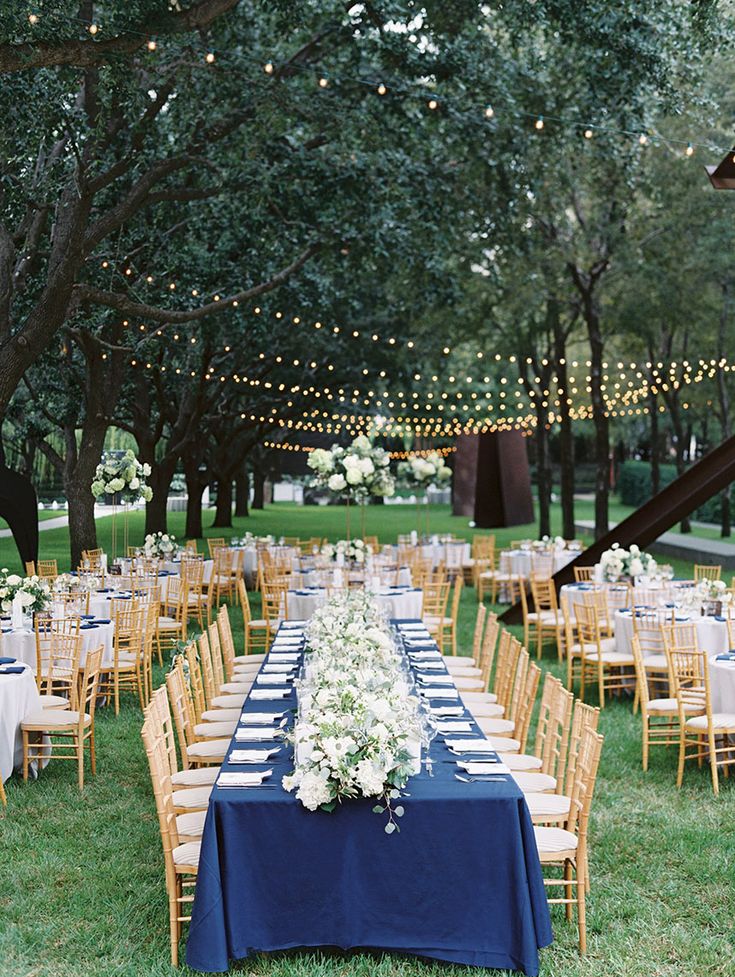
{"type": "Point", "coordinates": [461, 882]}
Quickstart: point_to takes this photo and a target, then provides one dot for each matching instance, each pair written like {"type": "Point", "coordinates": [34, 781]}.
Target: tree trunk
{"type": "Point", "coordinates": [601, 424]}
{"type": "Point", "coordinates": [258, 489]}
{"type": "Point", "coordinates": [156, 514]}
{"type": "Point", "coordinates": [566, 437]}
{"type": "Point", "coordinates": [655, 453]}
{"type": "Point", "coordinates": [194, 490]}
{"type": "Point", "coordinates": [223, 508]}
{"type": "Point", "coordinates": [242, 492]}
{"type": "Point", "coordinates": [543, 473]}
{"type": "Point", "coordinates": [723, 395]}
{"type": "Point", "coordinates": [82, 527]}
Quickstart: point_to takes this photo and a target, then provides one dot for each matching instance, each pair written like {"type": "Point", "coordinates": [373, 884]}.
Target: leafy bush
{"type": "Point", "coordinates": [634, 481]}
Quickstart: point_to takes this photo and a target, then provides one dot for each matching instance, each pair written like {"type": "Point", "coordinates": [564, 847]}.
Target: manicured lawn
{"type": "Point", "coordinates": [81, 881]}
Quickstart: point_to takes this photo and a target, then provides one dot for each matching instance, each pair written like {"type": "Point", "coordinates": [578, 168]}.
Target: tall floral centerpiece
{"type": "Point", "coordinates": [162, 546]}
{"type": "Point", "coordinates": [23, 596]}
{"type": "Point", "coordinates": [354, 473]}
{"type": "Point", "coordinates": [123, 477]}
{"type": "Point", "coordinates": [421, 471]}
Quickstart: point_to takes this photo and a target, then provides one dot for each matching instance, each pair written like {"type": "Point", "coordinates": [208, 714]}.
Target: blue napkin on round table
{"type": "Point", "coordinates": [102, 620]}
{"type": "Point", "coordinates": [87, 627]}
{"type": "Point", "coordinates": [87, 617]}
{"type": "Point", "coordinates": [105, 590]}
{"type": "Point", "coordinates": [728, 656]}
{"type": "Point", "coordinates": [718, 617]}
{"type": "Point", "coordinates": [7, 661]}
{"type": "Point", "coordinates": [12, 670]}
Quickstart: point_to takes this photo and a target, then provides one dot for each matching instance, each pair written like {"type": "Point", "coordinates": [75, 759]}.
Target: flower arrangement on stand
{"type": "Point", "coordinates": [161, 545]}
{"type": "Point", "coordinates": [619, 564]}
{"type": "Point", "coordinates": [354, 473]}
{"type": "Point", "coordinates": [358, 728]}
{"type": "Point", "coordinates": [31, 593]}
{"type": "Point", "coordinates": [123, 477]}
{"type": "Point", "coordinates": [421, 471]}
{"type": "Point", "coordinates": [709, 597]}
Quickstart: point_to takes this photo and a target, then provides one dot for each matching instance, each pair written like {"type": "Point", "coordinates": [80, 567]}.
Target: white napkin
{"type": "Point", "coordinates": [412, 626]}
{"type": "Point", "coordinates": [436, 679]}
{"type": "Point", "coordinates": [293, 625]}
{"type": "Point", "coordinates": [477, 767]}
{"type": "Point", "coordinates": [446, 710]}
{"type": "Point", "coordinates": [242, 778]}
{"type": "Point", "coordinates": [284, 645]}
{"type": "Point", "coordinates": [256, 718]}
{"type": "Point", "coordinates": [424, 666]}
{"type": "Point", "coordinates": [277, 668]}
{"type": "Point", "coordinates": [251, 756]}
{"type": "Point", "coordinates": [471, 746]}
{"type": "Point", "coordinates": [455, 727]}
{"type": "Point", "coordinates": [247, 734]}
{"type": "Point", "coordinates": [282, 656]}
{"type": "Point", "coordinates": [424, 656]}
{"type": "Point", "coordinates": [272, 679]}
{"type": "Point", "coordinates": [269, 693]}
{"type": "Point", "coordinates": [435, 693]}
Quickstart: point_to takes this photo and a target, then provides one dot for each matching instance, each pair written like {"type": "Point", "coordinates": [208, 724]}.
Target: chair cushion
{"type": "Point", "coordinates": [191, 824]}
{"type": "Point", "coordinates": [720, 720]}
{"type": "Point", "coordinates": [194, 798]}
{"type": "Point", "coordinates": [505, 744]}
{"type": "Point", "coordinates": [459, 661]}
{"type": "Point", "coordinates": [655, 663]}
{"type": "Point", "coordinates": [550, 841]}
{"type": "Point", "coordinates": [236, 688]}
{"type": "Point", "coordinates": [258, 623]}
{"type": "Point", "coordinates": [534, 783]}
{"type": "Point", "coordinates": [246, 659]}
{"type": "Point", "coordinates": [54, 702]}
{"type": "Point", "coordinates": [489, 710]}
{"type": "Point", "coordinates": [464, 672]}
{"type": "Point", "coordinates": [187, 854]}
{"type": "Point", "coordinates": [213, 730]}
{"type": "Point", "coordinates": [555, 805]}
{"type": "Point", "coordinates": [468, 682]}
{"type": "Point", "coordinates": [490, 726]}
{"type": "Point", "coordinates": [545, 617]}
{"type": "Point", "coordinates": [663, 705]}
{"type": "Point", "coordinates": [168, 624]}
{"type": "Point", "coordinates": [611, 657]}
{"type": "Point", "coordinates": [231, 701]}
{"type": "Point", "coordinates": [433, 622]}
{"type": "Point", "coordinates": [522, 761]}
{"type": "Point", "coordinates": [221, 715]}
{"type": "Point", "coordinates": [208, 750]}
{"type": "Point", "coordinates": [194, 778]}
{"type": "Point", "coordinates": [469, 697]}
{"type": "Point", "coordinates": [607, 646]}
{"type": "Point", "coordinates": [53, 718]}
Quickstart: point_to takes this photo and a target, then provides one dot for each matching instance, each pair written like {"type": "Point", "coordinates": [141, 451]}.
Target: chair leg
{"type": "Point", "coordinates": [79, 745]}
{"type": "Point", "coordinates": [25, 755]}
{"type": "Point", "coordinates": [713, 762]}
{"type": "Point", "coordinates": [568, 889]}
{"type": "Point", "coordinates": [582, 908]}
{"type": "Point", "coordinates": [682, 753]}
{"type": "Point", "coordinates": [92, 754]}
{"type": "Point", "coordinates": [645, 743]}
{"type": "Point", "coordinates": [117, 693]}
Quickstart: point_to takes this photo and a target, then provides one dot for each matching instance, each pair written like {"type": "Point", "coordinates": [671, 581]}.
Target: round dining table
{"type": "Point", "coordinates": [20, 643]}
{"type": "Point", "coordinates": [18, 698]}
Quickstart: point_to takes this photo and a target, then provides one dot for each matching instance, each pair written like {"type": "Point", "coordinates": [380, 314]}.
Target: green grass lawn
{"type": "Point", "coordinates": [81, 878]}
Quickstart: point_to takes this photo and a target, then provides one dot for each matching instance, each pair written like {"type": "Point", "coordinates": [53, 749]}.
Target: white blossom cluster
{"type": "Point", "coordinates": [705, 592]}
{"type": "Point", "coordinates": [427, 470]}
{"type": "Point", "coordinates": [161, 545]}
{"type": "Point", "coordinates": [250, 539]}
{"type": "Point", "coordinates": [352, 550]}
{"type": "Point", "coordinates": [35, 594]}
{"type": "Point", "coordinates": [617, 562]}
{"type": "Point", "coordinates": [355, 472]}
{"type": "Point", "coordinates": [123, 475]}
{"type": "Point", "coordinates": [358, 727]}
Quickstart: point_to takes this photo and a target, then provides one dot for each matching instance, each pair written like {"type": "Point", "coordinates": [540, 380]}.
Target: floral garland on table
{"type": "Point", "coordinates": [123, 475]}
{"type": "Point", "coordinates": [250, 539]}
{"type": "Point", "coordinates": [35, 594]}
{"type": "Point", "coordinates": [358, 725]}
{"type": "Point", "coordinates": [553, 544]}
{"type": "Point", "coordinates": [354, 550]}
{"type": "Point", "coordinates": [160, 545]}
{"type": "Point", "coordinates": [706, 592]}
{"type": "Point", "coordinates": [427, 470]}
{"type": "Point", "coordinates": [355, 472]}
{"type": "Point", "coordinates": [617, 562]}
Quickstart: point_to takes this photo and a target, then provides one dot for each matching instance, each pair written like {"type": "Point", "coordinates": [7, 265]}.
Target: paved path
{"type": "Point", "coordinates": [684, 546]}
{"type": "Point", "coordinates": [58, 522]}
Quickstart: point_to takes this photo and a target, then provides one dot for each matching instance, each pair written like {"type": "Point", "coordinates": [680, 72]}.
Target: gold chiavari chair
{"type": "Point", "coordinates": [197, 602]}
{"type": "Point", "coordinates": [30, 568]}
{"type": "Point", "coordinates": [195, 751]}
{"type": "Point", "coordinates": [435, 600]}
{"type": "Point", "coordinates": [191, 787]}
{"type": "Point", "coordinates": [597, 656]}
{"type": "Point", "coordinates": [92, 560]}
{"type": "Point", "coordinates": [659, 716]}
{"type": "Point", "coordinates": [522, 701]}
{"type": "Point", "coordinates": [242, 679]}
{"type": "Point", "coordinates": [552, 746]}
{"type": "Point", "coordinates": [704, 571]}
{"type": "Point", "coordinates": [544, 729]}
{"type": "Point", "coordinates": [458, 663]}
{"type": "Point", "coordinates": [73, 603]}
{"type": "Point", "coordinates": [259, 626]}
{"type": "Point", "coordinates": [58, 652]}
{"type": "Point", "coordinates": [705, 737]}
{"type": "Point", "coordinates": [48, 569]}
{"type": "Point", "coordinates": [479, 701]}
{"type": "Point", "coordinates": [191, 547]}
{"type": "Point", "coordinates": [584, 574]}
{"type": "Point", "coordinates": [65, 734]}
{"type": "Point", "coordinates": [128, 670]}
{"type": "Point", "coordinates": [203, 729]}
{"type": "Point", "coordinates": [215, 543]}
{"type": "Point", "coordinates": [181, 861]}
{"type": "Point", "coordinates": [444, 628]}
{"type": "Point", "coordinates": [172, 625]}
{"type": "Point", "coordinates": [546, 618]}
{"type": "Point", "coordinates": [226, 571]}
{"type": "Point", "coordinates": [647, 627]}
{"type": "Point", "coordinates": [275, 607]}
{"type": "Point", "coordinates": [567, 847]}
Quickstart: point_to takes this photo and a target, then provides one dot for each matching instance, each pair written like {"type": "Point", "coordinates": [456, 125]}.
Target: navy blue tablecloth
{"type": "Point", "coordinates": [461, 882]}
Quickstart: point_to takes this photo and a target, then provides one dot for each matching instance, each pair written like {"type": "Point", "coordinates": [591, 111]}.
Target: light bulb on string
{"type": "Point", "coordinates": [588, 133]}
{"type": "Point", "coordinates": [539, 123]}
{"type": "Point", "coordinates": [433, 104]}
{"type": "Point", "coordinates": [489, 112]}
{"type": "Point", "coordinates": [382, 89]}
{"type": "Point", "coordinates": [33, 19]}
{"type": "Point", "coordinates": [268, 68]}
{"type": "Point", "coordinates": [151, 45]}
{"type": "Point", "coordinates": [643, 139]}
{"type": "Point", "coordinates": [323, 82]}
{"type": "Point", "coordinates": [209, 57]}
{"type": "Point", "coordinates": [93, 28]}
{"type": "Point", "coordinates": [689, 150]}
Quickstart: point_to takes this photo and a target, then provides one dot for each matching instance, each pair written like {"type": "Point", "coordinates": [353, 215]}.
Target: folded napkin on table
{"type": "Point", "coordinates": [282, 656]}
{"type": "Point", "coordinates": [412, 626]}
{"type": "Point", "coordinates": [7, 661]}
{"type": "Point", "coordinates": [440, 692]}
{"type": "Point", "coordinates": [728, 656]}
{"type": "Point", "coordinates": [252, 756]}
{"type": "Point", "coordinates": [247, 734]}
{"type": "Point", "coordinates": [104, 590]}
{"type": "Point", "coordinates": [87, 617]}
{"type": "Point", "coordinates": [429, 666]}
{"type": "Point", "coordinates": [88, 626]}
{"type": "Point", "coordinates": [273, 679]}
{"type": "Point", "coordinates": [269, 693]}
{"type": "Point", "coordinates": [475, 768]}
{"type": "Point", "coordinates": [277, 668]}
{"type": "Point", "coordinates": [11, 669]}
{"type": "Point", "coordinates": [446, 710]}
{"type": "Point", "coordinates": [260, 717]}
{"type": "Point", "coordinates": [102, 620]}
{"type": "Point", "coordinates": [293, 624]}
{"type": "Point", "coordinates": [719, 618]}
{"type": "Point", "coordinates": [455, 726]}
{"type": "Point", "coordinates": [436, 679]}
{"type": "Point", "coordinates": [424, 656]}
{"type": "Point", "coordinates": [471, 746]}
{"type": "Point", "coordinates": [242, 778]}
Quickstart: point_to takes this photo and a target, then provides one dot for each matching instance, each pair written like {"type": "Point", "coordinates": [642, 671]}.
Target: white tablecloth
{"type": "Point", "coordinates": [722, 678]}
{"type": "Point", "coordinates": [454, 554]}
{"type": "Point", "coordinates": [521, 561]}
{"type": "Point", "coordinates": [405, 603]}
{"type": "Point", "coordinates": [22, 644]}
{"type": "Point", "coordinates": [323, 577]}
{"type": "Point", "coordinates": [18, 697]}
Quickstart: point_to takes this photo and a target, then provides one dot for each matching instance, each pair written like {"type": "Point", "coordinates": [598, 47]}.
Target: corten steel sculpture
{"type": "Point", "coordinates": [492, 482]}
{"type": "Point", "coordinates": [722, 177]}
{"type": "Point", "coordinates": [19, 508]}
{"type": "Point", "coordinates": [709, 476]}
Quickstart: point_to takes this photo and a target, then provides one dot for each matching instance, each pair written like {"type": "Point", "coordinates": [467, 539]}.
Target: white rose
{"type": "Point", "coordinates": [134, 483]}
{"type": "Point", "coordinates": [366, 466]}
{"type": "Point", "coordinates": [336, 483]}
{"type": "Point", "coordinates": [354, 476]}
{"type": "Point", "coordinates": [13, 580]}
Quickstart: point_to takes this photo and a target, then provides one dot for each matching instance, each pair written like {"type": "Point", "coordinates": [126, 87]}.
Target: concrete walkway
{"type": "Point", "coordinates": [58, 522]}
{"type": "Point", "coordinates": [683, 546]}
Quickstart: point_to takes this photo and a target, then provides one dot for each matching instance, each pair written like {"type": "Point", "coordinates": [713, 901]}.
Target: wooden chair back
{"type": "Point", "coordinates": [215, 543]}
{"type": "Point", "coordinates": [583, 574]}
{"type": "Point", "coordinates": [584, 717]}
{"type": "Point", "coordinates": [703, 571]}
